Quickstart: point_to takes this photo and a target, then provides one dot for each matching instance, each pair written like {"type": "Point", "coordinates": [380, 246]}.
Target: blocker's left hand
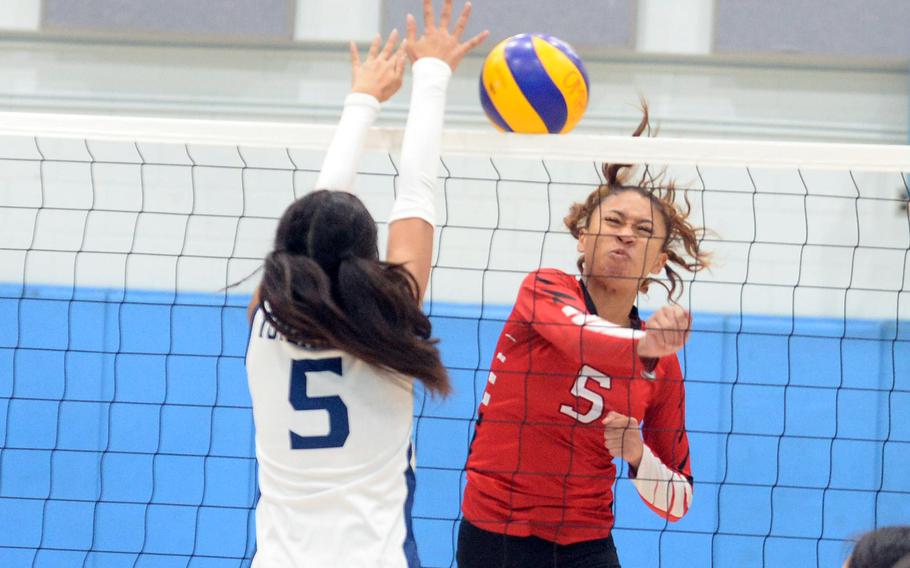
{"type": "Point", "coordinates": [622, 437]}
{"type": "Point", "coordinates": [382, 72]}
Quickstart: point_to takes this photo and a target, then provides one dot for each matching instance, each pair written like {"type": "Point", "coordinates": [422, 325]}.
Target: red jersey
{"type": "Point", "coordinates": [538, 465]}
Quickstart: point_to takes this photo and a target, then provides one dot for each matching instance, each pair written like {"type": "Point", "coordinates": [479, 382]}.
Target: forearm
{"type": "Point", "coordinates": [551, 302]}
{"type": "Point", "coordinates": [666, 491]}
{"type": "Point", "coordinates": [422, 140]}
{"type": "Point", "coordinates": [597, 342]}
{"type": "Point", "coordinates": [340, 165]}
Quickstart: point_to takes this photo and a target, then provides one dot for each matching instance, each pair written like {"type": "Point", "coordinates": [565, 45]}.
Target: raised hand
{"type": "Point", "coordinates": [381, 73]}
{"type": "Point", "coordinates": [437, 41]}
{"type": "Point", "coordinates": [665, 332]}
{"type": "Point", "coordinates": [622, 437]}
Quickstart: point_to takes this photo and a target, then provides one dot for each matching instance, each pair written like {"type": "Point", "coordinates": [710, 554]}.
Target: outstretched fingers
{"type": "Point", "coordinates": [401, 58]}
{"type": "Point", "coordinates": [380, 74]}
{"type": "Point", "coordinates": [445, 17]}
{"type": "Point", "coordinates": [374, 47]}
{"type": "Point", "coordinates": [429, 18]}
{"type": "Point", "coordinates": [390, 44]}
{"type": "Point", "coordinates": [410, 24]}
{"type": "Point", "coordinates": [462, 22]}
{"type": "Point", "coordinates": [436, 40]}
{"type": "Point", "coordinates": [355, 56]}
{"type": "Point", "coordinates": [474, 41]}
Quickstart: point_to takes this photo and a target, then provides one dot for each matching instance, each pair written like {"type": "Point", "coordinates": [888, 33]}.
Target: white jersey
{"type": "Point", "coordinates": [333, 440]}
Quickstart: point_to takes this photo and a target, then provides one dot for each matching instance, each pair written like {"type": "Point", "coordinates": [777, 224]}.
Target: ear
{"type": "Point", "coordinates": [582, 238]}
{"type": "Point", "coordinates": [659, 263]}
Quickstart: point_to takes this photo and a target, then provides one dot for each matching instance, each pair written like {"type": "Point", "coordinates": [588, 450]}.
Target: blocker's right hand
{"type": "Point", "coordinates": [665, 332]}
{"type": "Point", "coordinates": [437, 41]}
{"type": "Point", "coordinates": [382, 72]}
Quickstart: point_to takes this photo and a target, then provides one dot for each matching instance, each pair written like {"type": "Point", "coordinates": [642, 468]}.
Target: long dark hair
{"type": "Point", "coordinates": [325, 286]}
{"type": "Point", "coordinates": [882, 548]}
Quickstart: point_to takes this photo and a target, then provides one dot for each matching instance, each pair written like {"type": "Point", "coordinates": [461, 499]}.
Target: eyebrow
{"type": "Point", "coordinates": [623, 216]}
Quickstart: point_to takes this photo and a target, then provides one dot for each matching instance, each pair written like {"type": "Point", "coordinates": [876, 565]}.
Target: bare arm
{"type": "Point", "coordinates": [254, 303]}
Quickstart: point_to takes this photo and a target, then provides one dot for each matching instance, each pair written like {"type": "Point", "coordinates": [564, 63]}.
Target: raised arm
{"type": "Point", "coordinates": [434, 55]}
{"type": "Point", "coordinates": [373, 81]}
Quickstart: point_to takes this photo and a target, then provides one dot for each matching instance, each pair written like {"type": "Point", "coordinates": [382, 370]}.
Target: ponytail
{"type": "Point", "coordinates": [324, 286]}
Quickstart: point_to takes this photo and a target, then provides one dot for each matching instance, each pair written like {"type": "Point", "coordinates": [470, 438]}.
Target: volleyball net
{"type": "Point", "coordinates": [126, 434]}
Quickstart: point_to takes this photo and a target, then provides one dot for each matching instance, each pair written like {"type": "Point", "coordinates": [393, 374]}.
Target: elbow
{"type": "Point", "coordinates": [675, 518]}
{"type": "Point", "coordinates": [674, 504]}
{"type": "Point", "coordinates": [679, 508]}
{"type": "Point", "coordinates": [673, 514]}
{"type": "Point", "coordinates": [680, 502]}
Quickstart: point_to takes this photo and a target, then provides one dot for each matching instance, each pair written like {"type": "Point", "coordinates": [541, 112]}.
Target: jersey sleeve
{"type": "Point", "coordinates": [553, 305]}
{"type": "Point", "coordinates": [340, 164]}
{"type": "Point", "coordinates": [422, 141]}
{"type": "Point", "coordinates": [664, 476]}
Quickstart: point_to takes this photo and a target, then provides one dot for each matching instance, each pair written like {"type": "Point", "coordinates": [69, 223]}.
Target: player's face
{"type": "Point", "coordinates": [624, 239]}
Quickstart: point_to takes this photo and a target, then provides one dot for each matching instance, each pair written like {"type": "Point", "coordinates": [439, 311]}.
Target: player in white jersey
{"type": "Point", "coordinates": [337, 334]}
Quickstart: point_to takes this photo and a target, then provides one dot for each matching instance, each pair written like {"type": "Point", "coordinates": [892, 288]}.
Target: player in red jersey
{"type": "Point", "coordinates": [576, 381]}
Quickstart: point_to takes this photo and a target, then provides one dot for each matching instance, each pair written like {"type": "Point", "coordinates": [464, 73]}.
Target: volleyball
{"type": "Point", "coordinates": [534, 84]}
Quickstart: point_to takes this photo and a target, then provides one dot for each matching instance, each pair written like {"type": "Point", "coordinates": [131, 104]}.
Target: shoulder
{"type": "Point", "coordinates": [550, 283]}
{"type": "Point", "coordinates": [553, 273]}
{"type": "Point", "coordinates": [550, 277]}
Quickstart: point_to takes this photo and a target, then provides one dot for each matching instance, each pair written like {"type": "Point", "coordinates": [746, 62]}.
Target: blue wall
{"type": "Point", "coordinates": [125, 429]}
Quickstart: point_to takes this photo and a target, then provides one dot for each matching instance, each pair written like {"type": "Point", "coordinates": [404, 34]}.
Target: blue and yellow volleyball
{"type": "Point", "coordinates": [534, 84]}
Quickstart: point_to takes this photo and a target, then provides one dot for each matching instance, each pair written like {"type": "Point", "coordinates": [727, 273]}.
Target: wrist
{"type": "Point", "coordinates": [432, 66]}
{"type": "Point", "coordinates": [634, 454]}
{"type": "Point", "coordinates": [643, 347]}
{"type": "Point", "coordinates": [362, 97]}
{"type": "Point", "coordinates": [646, 349]}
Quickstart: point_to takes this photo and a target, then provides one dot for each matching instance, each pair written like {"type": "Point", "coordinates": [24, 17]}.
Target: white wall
{"type": "Point", "coordinates": [665, 26]}
{"type": "Point", "coordinates": [689, 96]}
{"type": "Point", "coordinates": [337, 20]}
{"type": "Point", "coordinates": [671, 26]}
{"type": "Point", "coordinates": [20, 15]}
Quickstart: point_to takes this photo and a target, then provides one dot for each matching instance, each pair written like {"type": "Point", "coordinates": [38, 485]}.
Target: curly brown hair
{"type": "Point", "coordinates": [662, 194]}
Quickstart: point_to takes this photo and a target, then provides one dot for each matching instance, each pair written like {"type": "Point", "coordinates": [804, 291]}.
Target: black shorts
{"type": "Point", "coordinates": [478, 548]}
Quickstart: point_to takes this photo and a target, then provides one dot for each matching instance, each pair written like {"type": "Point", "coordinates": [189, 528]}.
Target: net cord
{"type": "Point", "coordinates": [575, 147]}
